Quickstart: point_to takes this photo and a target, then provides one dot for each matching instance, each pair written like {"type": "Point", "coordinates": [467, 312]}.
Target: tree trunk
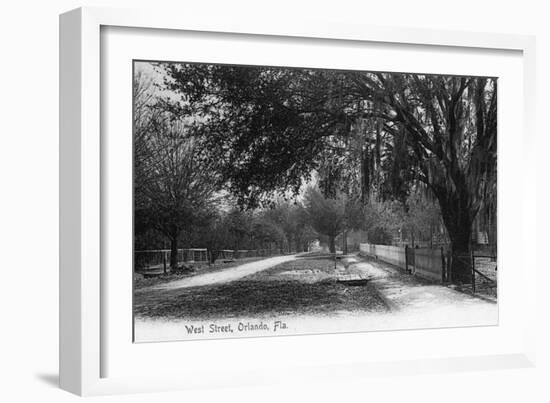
{"type": "Point", "coordinates": [458, 221]}
{"type": "Point", "coordinates": [461, 264]}
{"type": "Point", "coordinates": [492, 234]}
{"type": "Point", "coordinates": [332, 244]}
{"type": "Point", "coordinates": [289, 240]}
{"type": "Point", "coordinates": [173, 253]}
{"type": "Point", "coordinates": [298, 244]}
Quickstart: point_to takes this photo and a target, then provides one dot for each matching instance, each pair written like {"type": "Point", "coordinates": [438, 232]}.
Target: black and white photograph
{"type": "Point", "coordinates": [277, 201]}
{"type": "Point", "coordinates": [268, 202]}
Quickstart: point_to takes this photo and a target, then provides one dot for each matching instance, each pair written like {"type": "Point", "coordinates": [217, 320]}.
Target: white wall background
{"type": "Point", "coordinates": [29, 198]}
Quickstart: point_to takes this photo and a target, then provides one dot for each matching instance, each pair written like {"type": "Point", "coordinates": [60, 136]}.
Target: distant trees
{"type": "Point", "coordinates": [304, 233]}
{"type": "Point", "coordinates": [327, 216]}
{"type": "Point", "coordinates": [267, 234]}
{"type": "Point", "coordinates": [422, 219]}
{"type": "Point", "coordinates": [293, 221]}
{"type": "Point", "coordinates": [239, 225]}
{"type": "Point", "coordinates": [416, 220]}
{"type": "Point", "coordinates": [383, 220]}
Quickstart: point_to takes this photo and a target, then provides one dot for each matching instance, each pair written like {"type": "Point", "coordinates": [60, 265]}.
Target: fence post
{"type": "Point", "coordinates": [473, 271]}
{"type": "Point", "coordinates": [443, 279]}
{"type": "Point", "coordinates": [164, 261]}
{"type": "Point", "coordinates": [413, 270]}
{"type": "Point", "coordinates": [449, 266]}
{"type": "Point", "coordinates": [407, 258]}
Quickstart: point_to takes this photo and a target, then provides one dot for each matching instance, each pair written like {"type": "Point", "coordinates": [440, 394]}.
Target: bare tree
{"type": "Point", "coordinates": [173, 187]}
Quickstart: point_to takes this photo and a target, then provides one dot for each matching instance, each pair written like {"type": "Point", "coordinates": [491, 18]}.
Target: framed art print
{"type": "Point", "coordinates": [317, 195]}
{"type": "Point", "coordinates": [285, 200]}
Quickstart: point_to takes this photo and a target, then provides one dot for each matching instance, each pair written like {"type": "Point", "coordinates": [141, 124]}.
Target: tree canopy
{"type": "Point", "coordinates": [263, 133]}
{"type": "Point", "coordinates": [379, 133]}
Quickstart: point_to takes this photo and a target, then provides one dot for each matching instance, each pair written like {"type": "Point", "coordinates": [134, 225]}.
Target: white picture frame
{"type": "Point", "coordinates": [82, 303]}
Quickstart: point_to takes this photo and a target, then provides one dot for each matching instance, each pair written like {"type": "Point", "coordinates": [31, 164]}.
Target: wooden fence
{"type": "Point", "coordinates": [430, 263]}
{"type": "Point", "coordinates": [479, 274]}
{"type": "Point", "coordinates": [387, 253]}
{"type": "Point", "coordinates": [423, 262]}
{"type": "Point", "coordinates": [160, 258]}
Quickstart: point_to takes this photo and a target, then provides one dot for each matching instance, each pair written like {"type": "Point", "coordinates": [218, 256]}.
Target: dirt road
{"type": "Point", "coordinates": [413, 304]}
{"type": "Point", "coordinates": [222, 276]}
{"type": "Point", "coordinates": [424, 303]}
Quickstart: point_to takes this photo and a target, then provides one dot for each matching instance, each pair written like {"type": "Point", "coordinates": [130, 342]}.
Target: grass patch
{"type": "Point", "coordinates": [267, 293]}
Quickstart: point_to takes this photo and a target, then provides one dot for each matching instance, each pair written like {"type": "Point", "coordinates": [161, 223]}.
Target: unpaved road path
{"type": "Point", "coordinates": [407, 293]}
{"type": "Point", "coordinates": [222, 276]}
{"type": "Point", "coordinates": [414, 304]}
